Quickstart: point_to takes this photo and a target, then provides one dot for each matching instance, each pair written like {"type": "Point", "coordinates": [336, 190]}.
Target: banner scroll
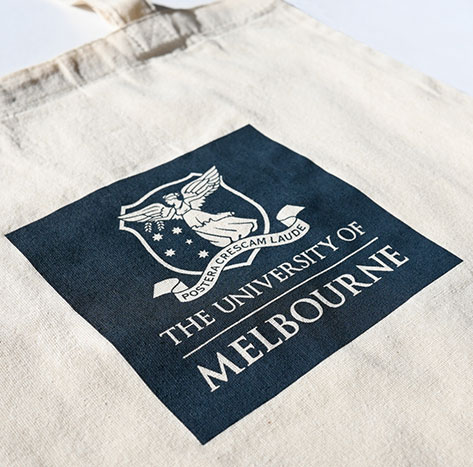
{"type": "Point", "coordinates": [296, 229]}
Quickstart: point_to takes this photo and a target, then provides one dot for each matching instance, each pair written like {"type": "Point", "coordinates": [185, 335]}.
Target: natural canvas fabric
{"type": "Point", "coordinates": [162, 185]}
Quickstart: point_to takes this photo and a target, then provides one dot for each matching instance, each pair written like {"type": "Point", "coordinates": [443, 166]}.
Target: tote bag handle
{"type": "Point", "coordinates": [116, 12]}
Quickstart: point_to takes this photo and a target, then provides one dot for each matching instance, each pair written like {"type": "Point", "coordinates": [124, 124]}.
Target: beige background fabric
{"type": "Point", "coordinates": [400, 394]}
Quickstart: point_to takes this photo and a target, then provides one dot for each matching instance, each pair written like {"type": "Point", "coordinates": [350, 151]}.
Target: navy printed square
{"type": "Point", "coordinates": [228, 273]}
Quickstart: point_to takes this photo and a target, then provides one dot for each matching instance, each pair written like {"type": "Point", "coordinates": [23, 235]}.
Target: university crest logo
{"type": "Point", "coordinates": [264, 265]}
{"type": "Point", "coordinates": [200, 226]}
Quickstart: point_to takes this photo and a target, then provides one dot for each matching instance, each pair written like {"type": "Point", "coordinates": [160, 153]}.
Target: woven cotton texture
{"type": "Point", "coordinates": [399, 394]}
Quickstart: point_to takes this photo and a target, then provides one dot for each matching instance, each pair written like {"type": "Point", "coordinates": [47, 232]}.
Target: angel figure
{"type": "Point", "coordinates": [219, 229]}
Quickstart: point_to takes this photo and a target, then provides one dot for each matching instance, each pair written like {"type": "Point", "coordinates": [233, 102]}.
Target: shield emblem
{"type": "Point", "coordinates": [182, 231]}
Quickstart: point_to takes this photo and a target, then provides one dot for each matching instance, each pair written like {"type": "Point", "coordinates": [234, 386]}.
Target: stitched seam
{"type": "Point", "coordinates": [168, 36]}
{"type": "Point", "coordinates": [26, 141]}
{"type": "Point", "coordinates": [220, 31]}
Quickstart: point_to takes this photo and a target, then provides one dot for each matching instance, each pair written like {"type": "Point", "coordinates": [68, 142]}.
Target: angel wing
{"type": "Point", "coordinates": [195, 192]}
{"type": "Point", "coordinates": [151, 213]}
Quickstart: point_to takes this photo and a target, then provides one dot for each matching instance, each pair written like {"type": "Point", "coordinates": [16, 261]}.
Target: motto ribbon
{"type": "Point", "coordinates": [296, 229]}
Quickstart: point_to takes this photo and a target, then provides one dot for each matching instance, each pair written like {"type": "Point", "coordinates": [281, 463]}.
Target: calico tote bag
{"type": "Point", "coordinates": [233, 236]}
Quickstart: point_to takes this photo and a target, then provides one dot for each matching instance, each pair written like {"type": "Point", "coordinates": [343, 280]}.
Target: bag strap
{"type": "Point", "coordinates": [117, 12]}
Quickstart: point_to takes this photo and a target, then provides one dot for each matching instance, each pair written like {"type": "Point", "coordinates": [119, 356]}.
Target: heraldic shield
{"type": "Point", "coordinates": [146, 261]}
{"type": "Point", "coordinates": [184, 223]}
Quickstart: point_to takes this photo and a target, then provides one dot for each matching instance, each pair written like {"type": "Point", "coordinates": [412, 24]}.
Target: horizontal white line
{"type": "Point", "coordinates": [278, 297]}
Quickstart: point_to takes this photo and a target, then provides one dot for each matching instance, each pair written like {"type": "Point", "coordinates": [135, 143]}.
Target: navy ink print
{"type": "Point", "coordinates": [226, 274]}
